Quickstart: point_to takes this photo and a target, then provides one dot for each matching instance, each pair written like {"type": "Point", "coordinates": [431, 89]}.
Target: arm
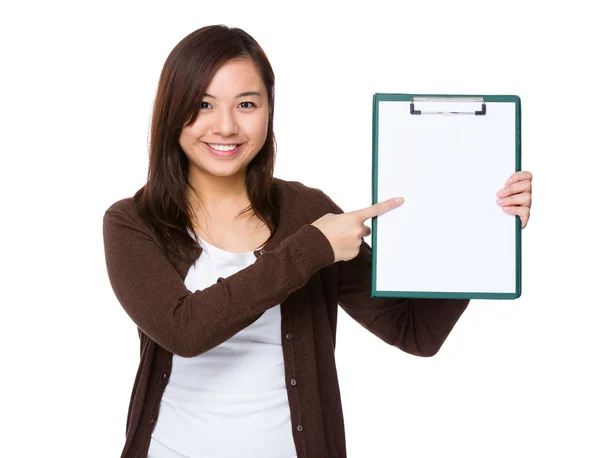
{"type": "Point", "coordinates": [416, 326]}
{"type": "Point", "coordinates": [187, 323]}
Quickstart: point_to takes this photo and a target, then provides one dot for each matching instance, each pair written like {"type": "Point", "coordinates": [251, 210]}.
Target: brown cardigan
{"type": "Point", "coordinates": [295, 269]}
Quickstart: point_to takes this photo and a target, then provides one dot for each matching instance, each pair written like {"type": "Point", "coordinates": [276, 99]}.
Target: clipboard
{"type": "Point", "coordinates": [447, 155]}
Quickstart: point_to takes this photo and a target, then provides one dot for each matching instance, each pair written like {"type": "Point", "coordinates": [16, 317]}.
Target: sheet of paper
{"type": "Point", "coordinates": [449, 235]}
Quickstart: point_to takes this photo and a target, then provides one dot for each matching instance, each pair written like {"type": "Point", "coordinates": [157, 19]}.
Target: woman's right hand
{"type": "Point", "coordinates": [346, 231]}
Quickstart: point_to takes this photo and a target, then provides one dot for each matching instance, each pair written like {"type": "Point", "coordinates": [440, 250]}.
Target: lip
{"type": "Point", "coordinates": [223, 153]}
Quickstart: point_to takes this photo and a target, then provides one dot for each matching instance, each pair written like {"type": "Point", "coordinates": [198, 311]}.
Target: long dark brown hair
{"type": "Point", "coordinates": [186, 74]}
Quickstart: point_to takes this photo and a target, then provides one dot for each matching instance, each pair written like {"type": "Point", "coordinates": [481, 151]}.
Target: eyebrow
{"type": "Point", "coordinates": [243, 94]}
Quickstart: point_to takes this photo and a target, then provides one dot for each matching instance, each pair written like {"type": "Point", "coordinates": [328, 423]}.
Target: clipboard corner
{"type": "Point", "coordinates": [515, 99]}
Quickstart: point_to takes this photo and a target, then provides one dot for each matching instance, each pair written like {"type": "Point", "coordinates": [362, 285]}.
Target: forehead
{"type": "Point", "coordinates": [234, 77]}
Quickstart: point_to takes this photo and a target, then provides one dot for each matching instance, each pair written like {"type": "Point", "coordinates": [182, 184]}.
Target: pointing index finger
{"type": "Point", "coordinates": [379, 208]}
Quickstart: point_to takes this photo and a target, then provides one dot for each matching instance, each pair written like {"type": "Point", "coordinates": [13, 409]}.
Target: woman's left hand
{"type": "Point", "coordinates": [515, 197]}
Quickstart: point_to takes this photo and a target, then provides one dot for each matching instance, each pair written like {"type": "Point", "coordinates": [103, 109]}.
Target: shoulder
{"type": "Point", "coordinates": [296, 189]}
{"type": "Point", "coordinates": [306, 199]}
{"type": "Point", "coordinates": [126, 208]}
{"type": "Point", "coordinates": [124, 218]}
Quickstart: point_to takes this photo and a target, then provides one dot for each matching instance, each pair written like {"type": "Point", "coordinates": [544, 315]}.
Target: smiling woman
{"type": "Point", "coordinates": [237, 311]}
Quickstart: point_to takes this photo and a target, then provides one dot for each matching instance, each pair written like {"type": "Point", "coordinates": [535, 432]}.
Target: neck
{"type": "Point", "coordinates": [219, 194]}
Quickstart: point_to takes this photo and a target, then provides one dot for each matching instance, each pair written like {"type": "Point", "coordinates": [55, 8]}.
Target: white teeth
{"type": "Point", "coordinates": [223, 147]}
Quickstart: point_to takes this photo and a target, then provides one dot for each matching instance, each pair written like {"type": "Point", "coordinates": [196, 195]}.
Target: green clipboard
{"type": "Point", "coordinates": [424, 147]}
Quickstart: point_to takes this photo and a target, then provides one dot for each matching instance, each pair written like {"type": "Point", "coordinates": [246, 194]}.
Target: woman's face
{"type": "Point", "coordinates": [231, 126]}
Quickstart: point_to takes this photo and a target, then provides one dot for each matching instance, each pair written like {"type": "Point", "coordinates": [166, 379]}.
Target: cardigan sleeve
{"type": "Point", "coordinates": [415, 325]}
{"type": "Point", "coordinates": [186, 323]}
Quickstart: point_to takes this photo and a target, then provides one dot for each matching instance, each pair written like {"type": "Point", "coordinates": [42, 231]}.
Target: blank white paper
{"type": "Point", "coordinates": [449, 235]}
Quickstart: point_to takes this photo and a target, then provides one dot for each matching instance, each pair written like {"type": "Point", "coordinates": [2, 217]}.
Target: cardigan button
{"type": "Point", "coordinates": [262, 251]}
{"type": "Point", "coordinates": [299, 428]}
{"type": "Point", "coordinates": [293, 382]}
{"type": "Point", "coordinates": [289, 336]}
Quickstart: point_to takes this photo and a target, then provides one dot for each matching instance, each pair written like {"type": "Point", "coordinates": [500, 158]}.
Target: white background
{"type": "Point", "coordinates": [514, 379]}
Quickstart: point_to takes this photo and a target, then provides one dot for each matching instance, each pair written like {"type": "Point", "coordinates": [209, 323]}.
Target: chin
{"type": "Point", "coordinates": [225, 171]}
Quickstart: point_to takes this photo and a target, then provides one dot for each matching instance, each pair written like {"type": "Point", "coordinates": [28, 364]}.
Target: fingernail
{"type": "Point", "coordinates": [500, 193]}
{"type": "Point", "coordinates": [399, 200]}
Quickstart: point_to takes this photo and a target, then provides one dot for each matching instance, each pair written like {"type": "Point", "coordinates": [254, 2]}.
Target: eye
{"type": "Point", "coordinates": [252, 103]}
{"type": "Point", "coordinates": [203, 105]}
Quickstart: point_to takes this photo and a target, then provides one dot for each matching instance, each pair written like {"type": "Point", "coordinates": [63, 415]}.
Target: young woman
{"type": "Point", "coordinates": [233, 276]}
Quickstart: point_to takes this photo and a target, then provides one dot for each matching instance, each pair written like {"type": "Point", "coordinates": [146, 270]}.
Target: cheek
{"type": "Point", "coordinates": [257, 128]}
{"type": "Point", "coordinates": [193, 132]}
{"type": "Point", "coordinates": [188, 140]}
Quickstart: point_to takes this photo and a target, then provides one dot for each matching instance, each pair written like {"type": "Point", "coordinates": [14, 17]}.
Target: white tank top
{"type": "Point", "coordinates": [231, 401]}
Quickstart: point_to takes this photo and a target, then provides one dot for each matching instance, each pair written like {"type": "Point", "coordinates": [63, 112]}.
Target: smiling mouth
{"type": "Point", "coordinates": [219, 147]}
{"type": "Point", "coordinates": [222, 150]}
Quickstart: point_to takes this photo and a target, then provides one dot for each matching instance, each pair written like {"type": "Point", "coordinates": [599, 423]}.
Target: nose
{"type": "Point", "coordinates": [225, 124]}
